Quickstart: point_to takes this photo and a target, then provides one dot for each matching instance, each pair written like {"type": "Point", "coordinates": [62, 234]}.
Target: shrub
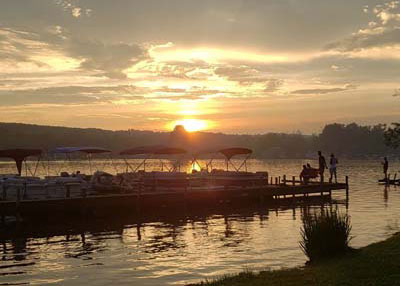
{"type": "Point", "coordinates": [325, 234]}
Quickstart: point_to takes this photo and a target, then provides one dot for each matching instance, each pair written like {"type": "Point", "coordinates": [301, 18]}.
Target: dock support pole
{"type": "Point", "coordinates": [276, 180]}
{"type": "Point", "coordinates": [67, 191]}
{"type": "Point", "coordinates": [347, 188]}
{"type": "Point", "coordinates": [17, 204]}
{"type": "Point", "coordinates": [139, 193]}
{"type": "Point", "coordinates": [294, 180]}
{"type": "Point", "coordinates": [4, 192]}
{"type": "Point", "coordinates": [284, 180]}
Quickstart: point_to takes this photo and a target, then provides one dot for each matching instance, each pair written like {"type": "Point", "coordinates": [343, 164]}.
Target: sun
{"type": "Point", "coordinates": [191, 125]}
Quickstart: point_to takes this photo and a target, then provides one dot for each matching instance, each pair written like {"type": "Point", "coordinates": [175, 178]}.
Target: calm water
{"type": "Point", "coordinates": [179, 248]}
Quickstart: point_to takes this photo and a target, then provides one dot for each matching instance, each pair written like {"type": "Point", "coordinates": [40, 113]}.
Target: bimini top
{"type": "Point", "coordinates": [230, 152]}
{"type": "Point", "coordinates": [19, 155]}
{"type": "Point", "coordinates": [88, 150]}
{"type": "Point", "coordinates": [155, 149]}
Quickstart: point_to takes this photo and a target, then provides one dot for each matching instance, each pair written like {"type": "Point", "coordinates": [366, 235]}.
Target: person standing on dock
{"type": "Point", "coordinates": [322, 165]}
{"type": "Point", "coordinates": [385, 164]}
{"type": "Point", "coordinates": [332, 168]}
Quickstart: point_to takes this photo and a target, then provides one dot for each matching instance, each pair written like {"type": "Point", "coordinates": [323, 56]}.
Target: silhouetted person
{"type": "Point", "coordinates": [309, 166]}
{"type": "Point", "coordinates": [304, 175]}
{"type": "Point", "coordinates": [322, 165]}
{"type": "Point", "coordinates": [332, 168]}
{"type": "Point", "coordinates": [385, 164]}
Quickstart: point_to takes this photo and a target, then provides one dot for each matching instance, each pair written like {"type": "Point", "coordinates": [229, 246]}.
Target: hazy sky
{"type": "Point", "coordinates": [248, 66]}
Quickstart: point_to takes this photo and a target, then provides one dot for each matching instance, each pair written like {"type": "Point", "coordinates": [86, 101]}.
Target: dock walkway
{"type": "Point", "coordinates": [149, 197]}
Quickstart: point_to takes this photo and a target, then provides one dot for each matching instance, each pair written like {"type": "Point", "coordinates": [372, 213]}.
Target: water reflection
{"type": "Point", "coordinates": [167, 246]}
{"type": "Point", "coordinates": [82, 236]}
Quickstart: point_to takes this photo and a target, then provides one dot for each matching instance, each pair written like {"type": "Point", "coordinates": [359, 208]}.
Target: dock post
{"type": "Point", "coordinates": [83, 192]}
{"type": "Point", "coordinates": [276, 180]}
{"type": "Point", "coordinates": [347, 188]}
{"type": "Point", "coordinates": [4, 192]}
{"type": "Point", "coordinates": [138, 197]}
{"type": "Point", "coordinates": [68, 191]}
{"type": "Point", "coordinates": [284, 180]}
{"type": "Point", "coordinates": [279, 180]}
{"type": "Point", "coordinates": [17, 204]}
{"type": "Point", "coordinates": [25, 190]}
{"type": "Point", "coordinates": [46, 188]}
{"type": "Point", "coordinates": [267, 178]}
{"type": "Point", "coordinates": [294, 180]}
{"type": "Point", "coordinates": [272, 181]}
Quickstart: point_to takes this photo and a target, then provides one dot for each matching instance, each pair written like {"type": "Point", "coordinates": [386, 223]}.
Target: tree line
{"type": "Point", "coordinates": [345, 140]}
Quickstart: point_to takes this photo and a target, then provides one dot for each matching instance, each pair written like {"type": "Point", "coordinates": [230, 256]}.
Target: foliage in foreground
{"type": "Point", "coordinates": [376, 264]}
{"type": "Point", "coordinates": [325, 235]}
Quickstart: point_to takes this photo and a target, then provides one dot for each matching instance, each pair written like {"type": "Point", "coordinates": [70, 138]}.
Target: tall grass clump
{"type": "Point", "coordinates": [325, 235]}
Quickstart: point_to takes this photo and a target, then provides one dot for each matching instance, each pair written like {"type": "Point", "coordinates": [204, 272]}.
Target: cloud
{"type": "Point", "coordinates": [73, 9]}
{"type": "Point", "coordinates": [99, 58]}
{"type": "Point", "coordinates": [108, 60]}
{"type": "Point", "coordinates": [65, 95]}
{"type": "Point", "coordinates": [246, 76]}
{"type": "Point", "coordinates": [273, 85]}
{"type": "Point", "coordinates": [324, 90]}
{"type": "Point", "coordinates": [382, 33]}
{"type": "Point", "coordinates": [193, 93]}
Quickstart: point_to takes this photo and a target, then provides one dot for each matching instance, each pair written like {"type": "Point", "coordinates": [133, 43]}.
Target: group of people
{"type": "Point", "coordinates": [309, 173]}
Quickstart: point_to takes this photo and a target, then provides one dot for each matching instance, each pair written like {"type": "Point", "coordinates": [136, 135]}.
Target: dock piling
{"type": "Point", "coordinates": [68, 191]}
{"type": "Point", "coordinates": [4, 192]}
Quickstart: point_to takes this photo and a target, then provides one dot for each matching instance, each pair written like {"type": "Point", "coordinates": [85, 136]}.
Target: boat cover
{"type": "Point", "coordinates": [230, 152]}
{"type": "Point", "coordinates": [19, 155]}
{"type": "Point", "coordinates": [156, 149]}
{"type": "Point", "coordinates": [88, 150]}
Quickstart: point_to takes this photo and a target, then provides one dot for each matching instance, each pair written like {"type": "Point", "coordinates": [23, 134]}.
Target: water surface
{"type": "Point", "coordinates": [182, 246]}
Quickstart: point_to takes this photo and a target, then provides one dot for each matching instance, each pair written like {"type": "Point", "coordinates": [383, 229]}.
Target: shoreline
{"type": "Point", "coordinates": [374, 264]}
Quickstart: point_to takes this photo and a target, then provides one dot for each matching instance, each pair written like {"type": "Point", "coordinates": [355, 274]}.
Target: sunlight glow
{"type": "Point", "coordinates": [211, 55]}
{"type": "Point", "coordinates": [190, 125]}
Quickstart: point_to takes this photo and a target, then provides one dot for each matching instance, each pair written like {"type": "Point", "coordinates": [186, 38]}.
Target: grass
{"type": "Point", "coordinates": [325, 235]}
{"type": "Point", "coordinates": [376, 264]}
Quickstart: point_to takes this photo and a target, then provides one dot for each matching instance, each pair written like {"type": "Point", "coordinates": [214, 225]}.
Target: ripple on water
{"type": "Point", "coordinates": [175, 249]}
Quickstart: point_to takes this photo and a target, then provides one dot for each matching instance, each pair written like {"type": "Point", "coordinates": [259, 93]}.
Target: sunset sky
{"type": "Point", "coordinates": [249, 66]}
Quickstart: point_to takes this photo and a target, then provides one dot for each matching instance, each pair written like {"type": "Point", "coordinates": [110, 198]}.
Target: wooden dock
{"type": "Point", "coordinates": [144, 197]}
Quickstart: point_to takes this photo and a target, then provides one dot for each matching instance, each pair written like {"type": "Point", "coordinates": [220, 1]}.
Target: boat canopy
{"type": "Point", "coordinates": [19, 155]}
{"type": "Point", "coordinates": [230, 152]}
{"type": "Point", "coordinates": [88, 150]}
{"type": "Point", "coordinates": [141, 150]}
{"type": "Point", "coordinates": [157, 149]}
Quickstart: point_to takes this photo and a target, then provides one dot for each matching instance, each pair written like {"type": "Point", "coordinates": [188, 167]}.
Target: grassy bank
{"type": "Point", "coordinates": [376, 264]}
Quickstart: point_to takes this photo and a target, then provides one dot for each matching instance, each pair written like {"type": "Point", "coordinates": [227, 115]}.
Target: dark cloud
{"type": "Point", "coordinates": [194, 93]}
{"type": "Point", "coordinates": [246, 75]}
{"type": "Point", "coordinates": [380, 38]}
{"type": "Point", "coordinates": [323, 90]}
{"type": "Point", "coordinates": [176, 69]}
{"type": "Point", "coordinates": [273, 85]}
{"type": "Point", "coordinates": [104, 59]}
{"type": "Point", "coordinates": [70, 95]}
{"type": "Point", "coordinates": [108, 59]}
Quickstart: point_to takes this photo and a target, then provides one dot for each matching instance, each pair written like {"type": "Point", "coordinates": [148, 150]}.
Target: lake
{"type": "Point", "coordinates": [184, 246]}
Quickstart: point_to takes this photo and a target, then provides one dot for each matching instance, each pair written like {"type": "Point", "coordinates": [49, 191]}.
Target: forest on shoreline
{"type": "Point", "coordinates": [345, 140]}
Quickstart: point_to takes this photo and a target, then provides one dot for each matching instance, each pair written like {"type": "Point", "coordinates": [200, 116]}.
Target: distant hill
{"type": "Point", "coordinates": [344, 140]}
